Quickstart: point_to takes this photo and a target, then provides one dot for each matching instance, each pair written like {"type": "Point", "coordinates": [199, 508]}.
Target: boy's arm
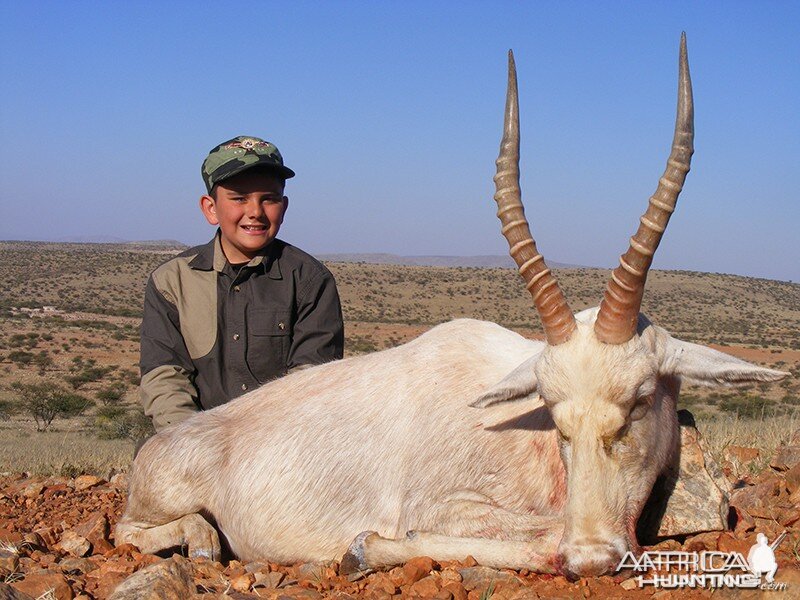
{"type": "Point", "coordinates": [318, 333]}
{"type": "Point", "coordinates": [167, 392]}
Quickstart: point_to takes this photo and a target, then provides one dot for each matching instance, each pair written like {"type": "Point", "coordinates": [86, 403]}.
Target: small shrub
{"type": "Point", "coordinates": [117, 422]}
{"type": "Point", "coordinates": [21, 357]}
{"type": "Point", "coordinates": [111, 394]}
{"type": "Point", "coordinates": [46, 401]}
{"type": "Point", "coordinates": [89, 374]}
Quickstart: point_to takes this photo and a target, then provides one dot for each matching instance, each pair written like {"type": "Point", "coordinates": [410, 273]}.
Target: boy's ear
{"type": "Point", "coordinates": [209, 208]}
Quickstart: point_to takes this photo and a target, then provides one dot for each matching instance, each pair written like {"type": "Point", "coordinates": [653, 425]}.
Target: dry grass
{"type": "Point", "coordinates": [767, 433]}
{"type": "Point", "coordinates": [98, 291]}
{"type": "Point", "coordinates": [67, 453]}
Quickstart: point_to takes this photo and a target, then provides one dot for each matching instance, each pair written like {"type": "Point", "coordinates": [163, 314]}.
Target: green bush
{"type": "Point", "coordinates": [111, 394]}
{"type": "Point", "coordinates": [21, 357]}
{"type": "Point", "coordinates": [89, 374]}
{"type": "Point", "coordinates": [45, 401]}
{"type": "Point", "coordinates": [748, 406]}
{"type": "Point", "coordinates": [116, 422]}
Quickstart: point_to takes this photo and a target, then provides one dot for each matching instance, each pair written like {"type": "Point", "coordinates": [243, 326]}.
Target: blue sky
{"type": "Point", "coordinates": [391, 114]}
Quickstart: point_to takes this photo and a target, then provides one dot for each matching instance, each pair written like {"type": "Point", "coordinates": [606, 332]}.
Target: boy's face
{"type": "Point", "coordinates": [249, 210]}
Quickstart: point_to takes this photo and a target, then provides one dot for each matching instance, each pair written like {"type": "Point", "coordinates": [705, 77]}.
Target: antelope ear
{"type": "Point", "coordinates": [706, 366]}
{"type": "Point", "coordinates": [517, 385]}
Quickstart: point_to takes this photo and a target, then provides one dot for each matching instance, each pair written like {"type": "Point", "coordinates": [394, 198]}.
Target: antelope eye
{"type": "Point", "coordinates": [640, 408]}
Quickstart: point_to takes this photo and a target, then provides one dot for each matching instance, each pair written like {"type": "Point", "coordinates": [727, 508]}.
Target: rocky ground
{"type": "Point", "coordinates": [56, 543]}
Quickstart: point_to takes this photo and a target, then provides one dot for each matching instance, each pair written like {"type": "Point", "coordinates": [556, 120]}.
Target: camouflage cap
{"type": "Point", "coordinates": [239, 154]}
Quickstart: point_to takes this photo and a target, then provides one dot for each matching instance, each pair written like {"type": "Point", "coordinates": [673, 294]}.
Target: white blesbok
{"type": "Point", "coordinates": [386, 443]}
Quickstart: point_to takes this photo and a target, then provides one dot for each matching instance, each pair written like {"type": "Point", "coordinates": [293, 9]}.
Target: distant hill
{"type": "Point", "coordinates": [489, 261]}
{"type": "Point", "coordinates": [89, 239]}
{"type": "Point", "coordinates": [109, 239]}
{"type": "Point", "coordinates": [101, 242]}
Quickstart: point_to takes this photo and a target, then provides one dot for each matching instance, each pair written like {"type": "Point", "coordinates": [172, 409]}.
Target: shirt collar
{"type": "Point", "coordinates": [211, 257]}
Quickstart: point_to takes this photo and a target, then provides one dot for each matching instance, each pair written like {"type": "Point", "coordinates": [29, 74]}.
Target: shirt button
{"type": "Point", "coordinates": [244, 387]}
{"type": "Point", "coordinates": [235, 336]}
{"type": "Point", "coordinates": [236, 288]}
{"type": "Point", "coordinates": [281, 326]}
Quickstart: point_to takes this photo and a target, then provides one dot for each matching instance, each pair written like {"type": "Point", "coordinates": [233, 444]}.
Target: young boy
{"type": "Point", "coordinates": [223, 318]}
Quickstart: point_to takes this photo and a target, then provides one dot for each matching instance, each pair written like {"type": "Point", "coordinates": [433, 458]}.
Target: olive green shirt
{"type": "Point", "coordinates": [212, 332]}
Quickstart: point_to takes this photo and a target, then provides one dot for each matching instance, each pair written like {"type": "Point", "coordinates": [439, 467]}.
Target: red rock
{"type": "Point", "coordinates": [793, 479]}
{"type": "Point", "coordinates": [741, 454]}
{"type": "Point", "coordinates": [667, 545]}
{"type": "Point", "coordinates": [790, 516]}
{"type": "Point", "coordinates": [169, 579]}
{"type": "Point", "coordinates": [728, 543]}
{"type": "Point", "coordinates": [785, 458]}
{"type": "Point", "coordinates": [702, 541]}
{"type": "Point", "coordinates": [10, 536]}
{"type": "Point", "coordinates": [794, 499]}
{"type": "Point", "coordinates": [84, 482]}
{"type": "Point", "coordinates": [123, 567]}
{"type": "Point", "coordinates": [9, 593]}
{"type": "Point", "coordinates": [449, 575]}
{"type": "Point", "coordinates": [234, 569]}
{"type": "Point", "coordinates": [77, 565]}
{"type": "Point", "coordinates": [770, 527]}
{"type": "Point", "coordinates": [242, 583]}
{"type": "Point", "coordinates": [33, 540]}
{"type": "Point", "coordinates": [95, 529]}
{"type": "Point", "coordinates": [743, 522]}
{"type": "Point", "coordinates": [253, 567]}
{"type": "Point", "coordinates": [758, 500]}
{"type": "Point", "coordinates": [311, 571]}
{"type": "Point", "coordinates": [55, 491]}
{"type": "Point", "coordinates": [426, 587]}
{"type": "Point", "coordinates": [9, 562]}
{"type": "Point", "coordinates": [32, 490]}
{"type": "Point", "coordinates": [38, 584]}
{"type": "Point", "coordinates": [397, 576]}
{"type": "Point", "coordinates": [73, 544]}
{"type": "Point", "coordinates": [268, 580]}
{"type": "Point", "coordinates": [470, 561]}
{"type": "Point", "coordinates": [46, 560]}
{"type": "Point", "coordinates": [48, 535]}
{"type": "Point", "coordinates": [417, 568]}
{"type": "Point", "coordinates": [458, 591]}
{"type": "Point", "coordinates": [108, 583]}
{"type": "Point", "coordinates": [121, 550]}
{"type": "Point", "coordinates": [381, 582]}
{"type": "Point", "coordinates": [481, 577]}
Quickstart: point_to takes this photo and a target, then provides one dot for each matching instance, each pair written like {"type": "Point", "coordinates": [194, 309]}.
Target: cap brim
{"type": "Point", "coordinates": [279, 170]}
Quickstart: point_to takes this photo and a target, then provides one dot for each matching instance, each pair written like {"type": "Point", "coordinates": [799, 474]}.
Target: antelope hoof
{"type": "Point", "coordinates": [201, 537]}
{"type": "Point", "coordinates": [354, 560]}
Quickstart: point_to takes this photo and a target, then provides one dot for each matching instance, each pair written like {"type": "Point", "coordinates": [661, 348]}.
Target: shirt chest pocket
{"type": "Point", "coordinates": [268, 341]}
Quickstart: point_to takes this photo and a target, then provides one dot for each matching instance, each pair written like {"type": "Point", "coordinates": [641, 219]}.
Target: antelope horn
{"type": "Point", "coordinates": [557, 318]}
{"type": "Point", "coordinates": [619, 310]}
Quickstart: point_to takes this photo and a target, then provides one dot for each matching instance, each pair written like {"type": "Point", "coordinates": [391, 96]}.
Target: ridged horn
{"type": "Point", "coordinates": [619, 310]}
{"type": "Point", "coordinates": [557, 318]}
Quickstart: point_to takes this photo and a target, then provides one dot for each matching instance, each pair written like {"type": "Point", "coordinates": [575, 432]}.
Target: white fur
{"type": "Point", "coordinates": [386, 442]}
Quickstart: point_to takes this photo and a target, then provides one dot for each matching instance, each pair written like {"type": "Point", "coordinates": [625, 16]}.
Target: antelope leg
{"type": "Point", "coordinates": [371, 551]}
